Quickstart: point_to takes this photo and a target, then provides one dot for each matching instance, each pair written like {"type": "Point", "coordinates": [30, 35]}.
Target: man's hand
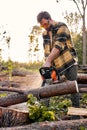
{"type": "Point", "coordinates": [48, 73]}
{"type": "Point", "coordinates": [47, 64]}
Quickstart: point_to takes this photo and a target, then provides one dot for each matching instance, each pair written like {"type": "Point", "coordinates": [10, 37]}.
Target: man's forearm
{"type": "Point", "coordinates": [54, 53]}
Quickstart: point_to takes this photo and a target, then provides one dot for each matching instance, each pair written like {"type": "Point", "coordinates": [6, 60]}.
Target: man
{"type": "Point", "coordinates": [56, 39]}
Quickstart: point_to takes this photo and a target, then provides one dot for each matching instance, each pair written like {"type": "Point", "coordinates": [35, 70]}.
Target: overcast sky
{"type": "Point", "coordinates": [18, 17]}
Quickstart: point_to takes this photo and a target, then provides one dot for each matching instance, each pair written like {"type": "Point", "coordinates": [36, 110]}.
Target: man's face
{"type": "Point", "coordinates": [45, 23]}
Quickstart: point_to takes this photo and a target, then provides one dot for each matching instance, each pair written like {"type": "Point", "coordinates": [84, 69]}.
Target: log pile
{"type": "Point", "coordinates": [82, 78]}
{"type": "Point", "coordinates": [10, 117]}
{"type": "Point", "coordinates": [82, 67]}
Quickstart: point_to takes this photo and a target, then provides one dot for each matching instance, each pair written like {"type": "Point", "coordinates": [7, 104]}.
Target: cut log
{"type": "Point", "coordinates": [44, 92]}
{"type": "Point", "coordinates": [54, 125]}
{"type": "Point", "coordinates": [82, 85]}
{"type": "Point", "coordinates": [18, 72]}
{"type": "Point", "coordinates": [83, 90]}
{"type": "Point", "coordinates": [82, 78]}
{"type": "Point", "coordinates": [77, 111]}
{"type": "Point", "coordinates": [12, 117]}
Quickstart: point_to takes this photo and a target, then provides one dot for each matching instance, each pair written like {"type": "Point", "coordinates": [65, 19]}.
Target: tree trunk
{"type": "Point", "coordinates": [56, 125]}
{"type": "Point", "coordinates": [67, 87]}
{"type": "Point", "coordinates": [84, 38]}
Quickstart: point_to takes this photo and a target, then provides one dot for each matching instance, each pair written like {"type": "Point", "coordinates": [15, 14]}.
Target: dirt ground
{"type": "Point", "coordinates": [30, 81]}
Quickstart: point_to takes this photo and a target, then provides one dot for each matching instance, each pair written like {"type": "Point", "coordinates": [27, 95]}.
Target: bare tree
{"type": "Point", "coordinates": [34, 43]}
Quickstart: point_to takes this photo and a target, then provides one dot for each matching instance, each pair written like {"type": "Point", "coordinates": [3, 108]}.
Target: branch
{"type": "Point", "coordinates": [85, 4]}
{"type": "Point", "coordinates": [78, 8]}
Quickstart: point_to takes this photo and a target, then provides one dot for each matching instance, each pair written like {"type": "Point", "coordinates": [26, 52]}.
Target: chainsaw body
{"type": "Point", "coordinates": [48, 74]}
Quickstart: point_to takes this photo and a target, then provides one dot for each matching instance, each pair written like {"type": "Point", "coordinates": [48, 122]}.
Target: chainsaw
{"type": "Point", "coordinates": [49, 75]}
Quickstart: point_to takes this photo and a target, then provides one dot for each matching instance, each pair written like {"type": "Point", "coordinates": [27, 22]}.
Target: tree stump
{"type": "Point", "coordinates": [12, 117]}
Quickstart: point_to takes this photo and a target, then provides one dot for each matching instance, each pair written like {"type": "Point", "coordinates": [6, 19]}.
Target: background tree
{"type": "Point", "coordinates": [81, 6]}
{"type": "Point", "coordinates": [5, 39]}
{"type": "Point", "coordinates": [78, 45]}
{"type": "Point", "coordinates": [73, 21]}
{"type": "Point", "coordinates": [34, 45]}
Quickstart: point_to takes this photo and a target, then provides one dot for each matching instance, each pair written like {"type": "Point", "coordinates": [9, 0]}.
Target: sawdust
{"type": "Point", "coordinates": [30, 81]}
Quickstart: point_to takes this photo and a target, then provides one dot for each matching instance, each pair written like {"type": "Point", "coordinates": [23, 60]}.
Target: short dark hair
{"type": "Point", "coordinates": [43, 14]}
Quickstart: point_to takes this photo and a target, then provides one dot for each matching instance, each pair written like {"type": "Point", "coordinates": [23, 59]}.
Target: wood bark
{"type": "Point", "coordinates": [80, 124]}
{"type": "Point", "coordinates": [10, 89]}
{"type": "Point", "coordinates": [12, 117]}
{"type": "Point", "coordinates": [44, 92]}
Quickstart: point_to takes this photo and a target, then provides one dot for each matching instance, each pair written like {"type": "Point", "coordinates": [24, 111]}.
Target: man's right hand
{"type": "Point", "coordinates": [47, 64]}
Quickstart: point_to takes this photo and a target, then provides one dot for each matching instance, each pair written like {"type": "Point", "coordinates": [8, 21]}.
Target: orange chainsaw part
{"type": "Point", "coordinates": [54, 75]}
{"type": "Point", "coordinates": [42, 77]}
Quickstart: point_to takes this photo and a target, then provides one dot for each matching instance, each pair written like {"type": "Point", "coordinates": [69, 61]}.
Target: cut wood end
{"type": "Point", "coordinates": [77, 111]}
{"type": "Point", "coordinates": [77, 89]}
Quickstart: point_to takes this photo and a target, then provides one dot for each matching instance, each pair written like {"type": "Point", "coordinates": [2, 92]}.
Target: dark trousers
{"type": "Point", "coordinates": [71, 74]}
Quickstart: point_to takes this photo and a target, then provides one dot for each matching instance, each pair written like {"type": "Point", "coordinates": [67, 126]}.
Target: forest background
{"type": "Point", "coordinates": [18, 24]}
